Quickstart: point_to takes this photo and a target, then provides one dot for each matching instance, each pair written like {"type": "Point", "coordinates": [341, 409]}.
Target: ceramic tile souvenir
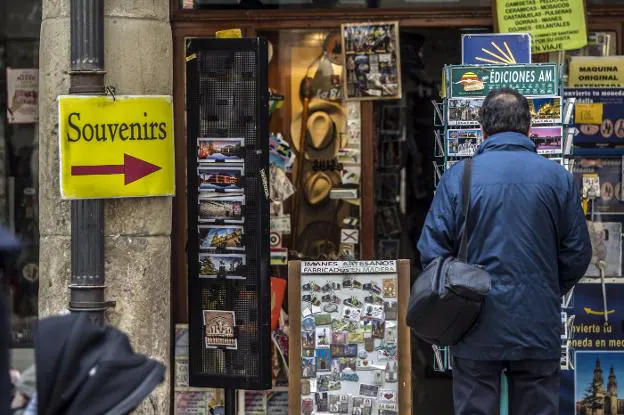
{"type": "Point", "coordinates": [369, 390]}
{"type": "Point", "coordinates": [351, 313]}
{"type": "Point", "coordinates": [322, 402]}
{"type": "Point", "coordinates": [390, 288]}
{"type": "Point", "coordinates": [362, 406]}
{"type": "Point", "coordinates": [323, 337]}
{"type": "Point", "coordinates": [337, 350]}
{"type": "Point", "coordinates": [323, 358]}
{"type": "Point", "coordinates": [369, 342]}
{"type": "Point", "coordinates": [308, 324]}
{"type": "Point", "coordinates": [391, 309]}
{"type": "Point", "coordinates": [322, 319]}
{"type": "Point", "coordinates": [307, 406]}
{"type": "Point", "coordinates": [305, 386]}
{"type": "Point", "coordinates": [355, 337]}
{"type": "Point", "coordinates": [392, 370]}
{"type": "Point", "coordinates": [339, 337]}
{"type": "Point", "coordinates": [308, 339]}
{"type": "Point", "coordinates": [338, 404]}
{"type": "Point", "coordinates": [378, 378]}
{"type": "Point", "coordinates": [308, 367]}
{"type": "Point", "coordinates": [351, 350]}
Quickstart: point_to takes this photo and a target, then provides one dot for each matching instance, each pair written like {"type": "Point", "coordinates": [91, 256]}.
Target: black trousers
{"type": "Point", "coordinates": [533, 387]}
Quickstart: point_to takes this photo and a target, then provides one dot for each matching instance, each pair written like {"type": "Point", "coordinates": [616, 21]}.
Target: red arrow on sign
{"type": "Point", "coordinates": [133, 169]}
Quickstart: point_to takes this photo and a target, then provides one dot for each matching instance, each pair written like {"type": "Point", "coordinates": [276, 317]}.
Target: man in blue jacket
{"type": "Point", "coordinates": [528, 230]}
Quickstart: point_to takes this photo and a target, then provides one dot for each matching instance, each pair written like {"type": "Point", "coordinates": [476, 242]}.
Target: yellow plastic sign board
{"type": "Point", "coordinates": [592, 71]}
{"type": "Point", "coordinates": [116, 147]}
{"type": "Point", "coordinates": [588, 113]}
{"type": "Point", "coordinates": [229, 34]}
{"type": "Point", "coordinates": [553, 25]}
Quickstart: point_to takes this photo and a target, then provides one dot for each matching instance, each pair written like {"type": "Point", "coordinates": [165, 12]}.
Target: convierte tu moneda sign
{"type": "Point", "coordinates": [554, 25]}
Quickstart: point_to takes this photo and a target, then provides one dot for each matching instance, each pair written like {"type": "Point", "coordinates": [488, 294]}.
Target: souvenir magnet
{"type": "Point", "coordinates": [308, 367]}
{"type": "Point", "coordinates": [321, 402]}
{"type": "Point", "coordinates": [349, 376]}
{"type": "Point", "coordinates": [313, 388]}
{"type": "Point", "coordinates": [389, 288]}
{"type": "Point", "coordinates": [307, 406]}
{"type": "Point", "coordinates": [339, 337]}
{"type": "Point", "coordinates": [369, 342]}
{"type": "Point", "coordinates": [353, 302]}
{"type": "Point", "coordinates": [369, 390]}
{"type": "Point", "coordinates": [337, 350]}
{"type": "Point", "coordinates": [305, 387]}
{"type": "Point", "coordinates": [308, 324]}
{"type": "Point", "coordinates": [390, 335]}
{"type": "Point", "coordinates": [355, 337]}
{"type": "Point", "coordinates": [323, 336]}
{"type": "Point", "coordinates": [391, 310]}
{"type": "Point", "coordinates": [351, 350]}
{"type": "Point", "coordinates": [362, 354]}
{"type": "Point", "coordinates": [351, 313]}
{"type": "Point", "coordinates": [322, 319]}
{"type": "Point", "coordinates": [378, 378]}
{"type": "Point", "coordinates": [379, 327]}
{"type": "Point", "coordinates": [330, 308]}
{"type": "Point", "coordinates": [391, 371]}
{"type": "Point", "coordinates": [389, 396]}
{"type": "Point", "coordinates": [308, 339]}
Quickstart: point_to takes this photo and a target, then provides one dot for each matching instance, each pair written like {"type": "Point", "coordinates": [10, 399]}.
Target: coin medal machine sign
{"type": "Point", "coordinates": [116, 147]}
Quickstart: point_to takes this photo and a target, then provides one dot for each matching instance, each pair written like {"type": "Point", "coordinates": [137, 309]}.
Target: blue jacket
{"type": "Point", "coordinates": [528, 230]}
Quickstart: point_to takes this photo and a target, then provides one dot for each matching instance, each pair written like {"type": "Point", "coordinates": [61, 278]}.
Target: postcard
{"type": "Point", "coordinates": [220, 150]}
{"type": "Point", "coordinates": [214, 207]}
{"type": "Point", "coordinates": [464, 111]}
{"type": "Point", "coordinates": [545, 110]}
{"type": "Point", "coordinates": [548, 140]}
{"type": "Point", "coordinates": [221, 179]}
{"type": "Point", "coordinates": [463, 143]}
{"type": "Point", "coordinates": [221, 237]}
{"type": "Point", "coordinates": [230, 266]}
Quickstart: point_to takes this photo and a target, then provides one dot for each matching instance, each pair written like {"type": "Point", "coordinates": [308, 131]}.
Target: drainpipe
{"type": "Point", "coordinates": [87, 282]}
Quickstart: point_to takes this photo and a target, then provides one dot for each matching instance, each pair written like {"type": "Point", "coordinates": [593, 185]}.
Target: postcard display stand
{"type": "Point", "coordinates": [228, 214]}
{"type": "Point", "coordinates": [349, 344]}
{"type": "Point", "coordinates": [593, 360]}
{"type": "Point", "coordinates": [458, 133]}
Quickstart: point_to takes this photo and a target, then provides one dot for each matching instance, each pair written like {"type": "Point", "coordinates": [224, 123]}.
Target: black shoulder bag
{"type": "Point", "coordinates": [448, 295]}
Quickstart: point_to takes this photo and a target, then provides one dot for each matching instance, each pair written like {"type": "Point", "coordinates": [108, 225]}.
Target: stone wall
{"type": "Point", "coordinates": [138, 60]}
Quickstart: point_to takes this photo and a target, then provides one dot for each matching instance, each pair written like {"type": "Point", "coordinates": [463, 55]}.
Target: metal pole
{"type": "Point", "coordinates": [230, 402]}
{"type": "Point", "coordinates": [87, 282]}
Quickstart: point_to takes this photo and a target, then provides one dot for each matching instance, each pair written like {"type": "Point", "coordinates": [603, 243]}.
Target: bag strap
{"type": "Point", "coordinates": [466, 181]}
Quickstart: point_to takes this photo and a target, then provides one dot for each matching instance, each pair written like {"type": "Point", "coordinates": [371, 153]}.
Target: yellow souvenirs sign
{"type": "Point", "coordinates": [593, 71]}
{"type": "Point", "coordinates": [554, 25]}
{"type": "Point", "coordinates": [116, 147]}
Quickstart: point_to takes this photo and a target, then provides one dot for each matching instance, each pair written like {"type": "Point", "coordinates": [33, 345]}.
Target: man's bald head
{"type": "Point", "coordinates": [505, 110]}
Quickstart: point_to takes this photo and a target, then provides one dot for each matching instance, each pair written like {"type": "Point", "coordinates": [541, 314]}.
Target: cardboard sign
{"type": "Point", "coordinates": [116, 147]}
{"type": "Point", "coordinates": [496, 48]}
{"type": "Point", "coordinates": [588, 113]}
{"type": "Point", "coordinates": [553, 25]}
{"type": "Point", "coordinates": [591, 71]}
{"type": "Point", "coordinates": [22, 95]}
{"type": "Point", "coordinates": [529, 80]}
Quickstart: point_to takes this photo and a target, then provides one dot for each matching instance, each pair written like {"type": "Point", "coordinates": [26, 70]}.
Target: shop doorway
{"type": "Point", "coordinates": [405, 177]}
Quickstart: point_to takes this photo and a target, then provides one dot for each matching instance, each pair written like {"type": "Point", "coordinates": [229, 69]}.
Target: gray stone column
{"type": "Point", "coordinates": [138, 60]}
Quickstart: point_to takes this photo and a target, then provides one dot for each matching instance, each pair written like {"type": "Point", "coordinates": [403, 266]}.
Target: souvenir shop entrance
{"type": "Point", "coordinates": [370, 201]}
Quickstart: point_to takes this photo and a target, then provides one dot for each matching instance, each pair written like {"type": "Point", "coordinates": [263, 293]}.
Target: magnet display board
{"type": "Point", "coordinates": [347, 332]}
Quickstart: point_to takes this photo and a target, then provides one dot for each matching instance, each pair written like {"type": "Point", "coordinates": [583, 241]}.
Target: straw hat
{"type": "Point", "coordinates": [326, 128]}
{"type": "Point", "coordinates": [317, 186]}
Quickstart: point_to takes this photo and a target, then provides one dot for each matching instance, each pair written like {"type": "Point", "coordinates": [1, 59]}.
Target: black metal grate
{"type": "Point", "coordinates": [227, 98]}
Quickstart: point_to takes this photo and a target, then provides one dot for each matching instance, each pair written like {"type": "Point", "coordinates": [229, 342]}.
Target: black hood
{"type": "Point", "coordinates": [83, 368]}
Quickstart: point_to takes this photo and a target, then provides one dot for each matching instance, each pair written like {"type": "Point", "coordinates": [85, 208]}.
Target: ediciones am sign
{"type": "Point", "coordinates": [112, 148]}
{"type": "Point", "coordinates": [530, 80]}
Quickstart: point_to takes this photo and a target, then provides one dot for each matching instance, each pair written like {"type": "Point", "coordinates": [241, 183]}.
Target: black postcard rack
{"type": "Point", "coordinates": [227, 99]}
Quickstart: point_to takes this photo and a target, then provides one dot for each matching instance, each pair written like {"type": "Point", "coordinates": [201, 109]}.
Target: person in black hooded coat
{"type": "Point", "coordinates": [83, 368]}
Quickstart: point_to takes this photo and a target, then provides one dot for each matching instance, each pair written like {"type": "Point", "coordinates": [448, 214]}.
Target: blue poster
{"type": "Point", "coordinates": [592, 374]}
{"type": "Point", "coordinates": [611, 130]}
{"type": "Point", "coordinates": [486, 49]}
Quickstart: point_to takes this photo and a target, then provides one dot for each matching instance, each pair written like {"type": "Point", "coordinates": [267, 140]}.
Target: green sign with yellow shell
{"type": "Point", "coordinates": [533, 80]}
